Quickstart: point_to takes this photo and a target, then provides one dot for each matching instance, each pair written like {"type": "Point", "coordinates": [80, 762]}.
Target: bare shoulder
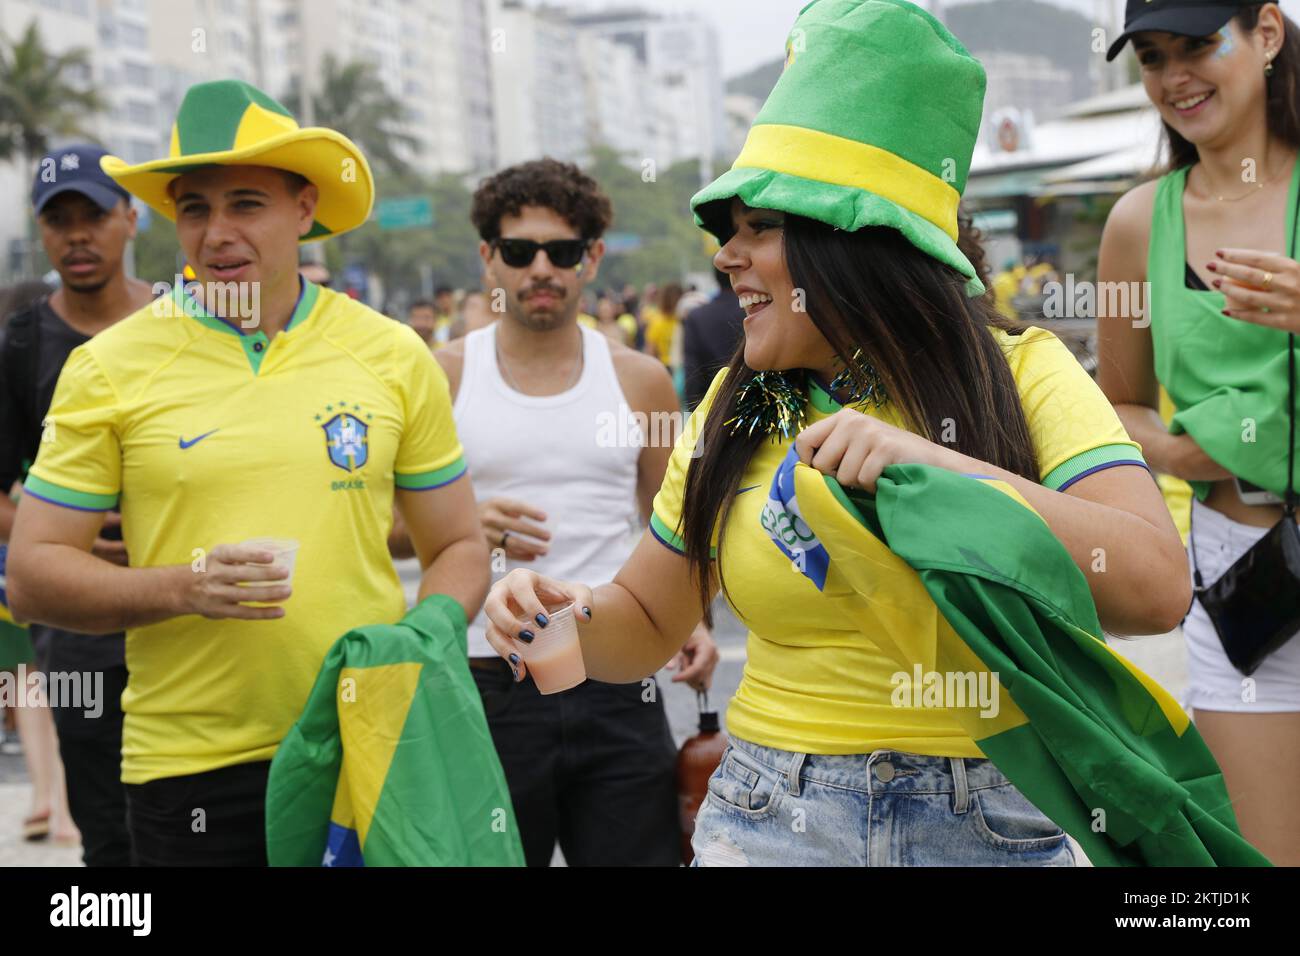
{"type": "Point", "coordinates": [1125, 239]}
{"type": "Point", "coordinates": [1130, 217]}
{"type": "Point", "coordinates": [452, 359]}
{"type": "Point", "coordinates": [643, 378]}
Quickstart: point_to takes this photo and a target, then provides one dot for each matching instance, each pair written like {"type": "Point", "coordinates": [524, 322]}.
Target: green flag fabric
{"type": "Point", "coordinates": [391, 762]}
{"type": "Point", "coordinates": [1093, 742]}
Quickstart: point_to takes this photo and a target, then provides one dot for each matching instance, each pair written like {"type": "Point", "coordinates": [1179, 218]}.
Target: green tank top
{"type": "Point", "coordinates": [1227, 378]}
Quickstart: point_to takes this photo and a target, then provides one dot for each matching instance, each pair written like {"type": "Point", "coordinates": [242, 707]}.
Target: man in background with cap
{"type": "Point", "coordinates": [249, 405]}
{"type": "Point", "coordinates": [85, 221]}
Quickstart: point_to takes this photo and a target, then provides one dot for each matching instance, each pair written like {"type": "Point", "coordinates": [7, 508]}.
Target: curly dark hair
{"type": "Point", "coordinates": [562, 187]}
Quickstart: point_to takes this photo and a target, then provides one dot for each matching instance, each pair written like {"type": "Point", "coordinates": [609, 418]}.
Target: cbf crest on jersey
{"type": "Point", "coordinates": [347, 439]}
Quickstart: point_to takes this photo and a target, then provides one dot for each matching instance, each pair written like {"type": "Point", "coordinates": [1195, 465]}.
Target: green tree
{"type": "Point", "coordinates": [352, 99]}
{"type": "Point", "coordinates": [446, 252]}
{"type": "Point", "coordinates": [39, 96]}
{"type": "Point", "coordinates": [654, 205]}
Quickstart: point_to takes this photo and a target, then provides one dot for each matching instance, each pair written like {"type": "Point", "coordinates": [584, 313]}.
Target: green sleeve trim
{"type": "Point", "coordinates": [1094, 459]}
{"type": "Point", "coordinates": [670, 539]}
{"type": "Point", "coordinates": [427, 480]}
{"type": "Point", "coordinates": [68, 497]}
{"type": "Point", "coordinates": [659, 528]}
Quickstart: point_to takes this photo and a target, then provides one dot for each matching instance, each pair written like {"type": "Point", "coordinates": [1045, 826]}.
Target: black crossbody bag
{"type": "Point", "coordinates": [1255, 605]}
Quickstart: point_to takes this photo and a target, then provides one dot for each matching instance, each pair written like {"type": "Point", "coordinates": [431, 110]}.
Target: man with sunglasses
{"type": "Point", "coordinates": [553, 419]}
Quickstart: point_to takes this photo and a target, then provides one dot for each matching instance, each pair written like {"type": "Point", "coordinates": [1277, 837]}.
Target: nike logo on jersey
{"type": "Point", "coordinates": [194, 441]}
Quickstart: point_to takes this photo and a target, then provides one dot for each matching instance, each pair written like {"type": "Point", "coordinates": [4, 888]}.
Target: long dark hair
{"type": "Point", "coordinates": [929, 343]}
{"type": "Point", "coordinates": [1282, 90]}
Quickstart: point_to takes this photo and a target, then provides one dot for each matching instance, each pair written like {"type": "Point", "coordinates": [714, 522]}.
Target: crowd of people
{"type": "Point", "coordinates": [153, 445]}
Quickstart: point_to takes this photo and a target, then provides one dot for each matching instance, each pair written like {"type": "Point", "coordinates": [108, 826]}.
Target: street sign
{"type": "Point", "coordinates": [405, 212]}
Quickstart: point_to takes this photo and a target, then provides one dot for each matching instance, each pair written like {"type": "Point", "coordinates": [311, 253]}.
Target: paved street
{"type": "Point", "coordinates": [1163, 657]}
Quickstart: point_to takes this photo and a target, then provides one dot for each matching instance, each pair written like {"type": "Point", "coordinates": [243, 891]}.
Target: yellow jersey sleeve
{"type": "Point", "coordinates": [666, 516]}
{"type": "Point", "coordinates": [1073, 426]}
{"type": "Point", "coordinates": [79, 463]}
{"type": "Point", "coordinates": [429, 454]}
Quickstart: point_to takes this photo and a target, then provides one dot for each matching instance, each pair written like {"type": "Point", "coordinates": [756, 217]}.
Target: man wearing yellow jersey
{"type": "Point", "coordinates": [250, 404]}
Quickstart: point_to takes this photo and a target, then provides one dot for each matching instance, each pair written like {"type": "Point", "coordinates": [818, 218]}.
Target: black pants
{"type": "Point", "coordinates": [592, 768]}
{"type": "Point", "coordinates": [216, 818]}
{"type": "Point", "coordinates": [91, 749]}
{"type": "Point", "coordinates": [90, 746]}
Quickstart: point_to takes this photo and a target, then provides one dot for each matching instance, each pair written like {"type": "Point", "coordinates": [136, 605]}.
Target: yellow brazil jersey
{"type": "Point", "coordinates": [209, 434]}
{"type": "Point", "coordinates": [659, 333]}
{"type": "Point", "coordinates": [810, 685]}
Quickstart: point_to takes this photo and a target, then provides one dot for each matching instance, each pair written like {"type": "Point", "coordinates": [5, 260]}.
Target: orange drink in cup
{"type": "Point", "coordinates": [554, 657]}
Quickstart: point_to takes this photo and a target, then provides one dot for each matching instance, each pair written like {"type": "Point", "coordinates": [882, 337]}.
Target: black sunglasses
{"type": "Point", "coordinates": [563, 253]}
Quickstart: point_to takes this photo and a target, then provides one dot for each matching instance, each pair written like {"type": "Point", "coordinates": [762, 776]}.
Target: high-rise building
{"type": "Point", "coordinates": [471, 104]}
{"type": "Point", "coordinates": [116, 34]}
{"type": "Point", "coordinates": [194, 41]}
{"type": "Point", "coordinates": [540, 108]}
{"type": "Point", "coordinates": [617, 88]}
{"type": "Point", "coordinates": [646, 85]}
{"type": "Point", "coordinates": [429, 54]}
{"type": "Point", "coordinates": [680, 59]}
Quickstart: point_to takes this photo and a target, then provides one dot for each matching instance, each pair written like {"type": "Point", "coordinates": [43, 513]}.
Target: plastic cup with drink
{"type": "Point", "coordinates": [284, 552]}
{"type": "Point", "coordinates": [554, 656]}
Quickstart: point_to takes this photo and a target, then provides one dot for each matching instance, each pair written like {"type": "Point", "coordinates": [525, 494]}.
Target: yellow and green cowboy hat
{"type": "Point", "coordinates": [231, 123]}
{"type": "Point", "coordinates": [872, 123]}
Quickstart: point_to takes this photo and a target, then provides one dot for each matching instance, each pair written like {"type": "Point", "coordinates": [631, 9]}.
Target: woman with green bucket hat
{"type": "Point", "coordinates": [867, 344]}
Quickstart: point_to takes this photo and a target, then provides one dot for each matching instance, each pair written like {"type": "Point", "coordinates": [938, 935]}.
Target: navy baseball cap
{"type": "Point", "coordinates": [1188, 18]}
{"type": "Point", "coordinates": [75, 169]}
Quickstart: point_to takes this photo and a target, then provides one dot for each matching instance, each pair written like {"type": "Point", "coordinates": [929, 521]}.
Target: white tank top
{"type": "Point", "coordinates": [573, 456]}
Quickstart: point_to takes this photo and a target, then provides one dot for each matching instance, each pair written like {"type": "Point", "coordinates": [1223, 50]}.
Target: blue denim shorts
{"type": "Point", "coordinates": [769, 807]}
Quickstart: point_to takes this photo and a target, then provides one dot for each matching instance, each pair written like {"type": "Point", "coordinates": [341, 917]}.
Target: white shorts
{"type": "Point", "coordinates": [1212, 682]}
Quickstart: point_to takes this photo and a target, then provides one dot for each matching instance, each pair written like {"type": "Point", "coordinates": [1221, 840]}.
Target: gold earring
{"type": "Point", "coordinates": [1268, 67]}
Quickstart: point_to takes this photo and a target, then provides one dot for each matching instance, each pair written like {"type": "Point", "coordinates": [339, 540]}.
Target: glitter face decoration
{"type": "Point", "coordinates": [1226, 42]}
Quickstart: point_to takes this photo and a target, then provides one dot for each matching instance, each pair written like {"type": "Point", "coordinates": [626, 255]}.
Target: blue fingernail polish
{"type": "Point", "coordinates": [526, 636]}
{"type": "Point", "coordinates": [542, 620]}
{"type": "Point", "coordinates": [515, 670]}
{"type": "Point", "coordinates": [514, 658]}
{"type": "Point", "coordinates": [587, 611]}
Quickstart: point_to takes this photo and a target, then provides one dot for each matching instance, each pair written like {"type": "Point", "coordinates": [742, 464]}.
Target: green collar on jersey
{"type": "Point", "coordinates": [254, 342]}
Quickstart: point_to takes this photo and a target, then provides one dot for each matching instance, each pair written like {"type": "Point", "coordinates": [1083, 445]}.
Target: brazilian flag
{"type": "Point", "coordinates": [1093, 742]}
{"type": "Point", "coordinates": [391, 762]}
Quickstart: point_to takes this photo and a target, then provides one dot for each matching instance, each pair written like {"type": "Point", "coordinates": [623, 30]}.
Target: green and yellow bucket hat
{"type": "Point", "coordinates": [872, 123]}
{"type": "Point", "coordinates": [231, 123]}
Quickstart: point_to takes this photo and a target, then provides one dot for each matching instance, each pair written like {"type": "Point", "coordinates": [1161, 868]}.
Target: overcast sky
{"type": "Point", "coordinates": [754, 31]}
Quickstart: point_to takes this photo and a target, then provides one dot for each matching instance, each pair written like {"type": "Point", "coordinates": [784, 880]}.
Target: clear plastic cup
{"type": "Point", "coordinates": [285, 555]}
{"type": "Point", "coordinates": [554, 657]}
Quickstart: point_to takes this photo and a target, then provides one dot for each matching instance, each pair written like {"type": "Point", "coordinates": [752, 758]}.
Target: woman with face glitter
{"type": "Point", "coordinates": [1212, 243]}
